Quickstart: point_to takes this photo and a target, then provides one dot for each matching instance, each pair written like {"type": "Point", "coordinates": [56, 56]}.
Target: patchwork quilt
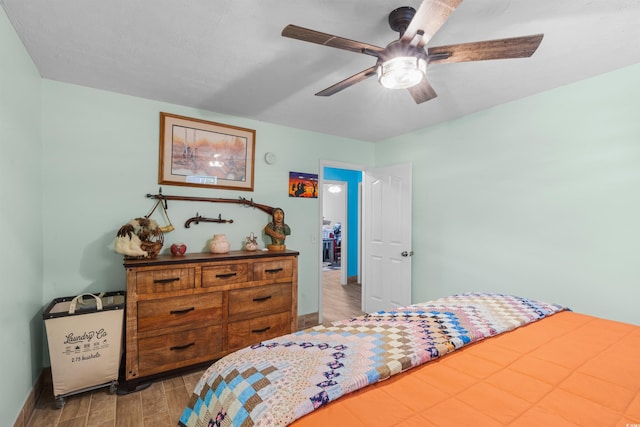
{"type": "Point", "coordinates": [275, 382]}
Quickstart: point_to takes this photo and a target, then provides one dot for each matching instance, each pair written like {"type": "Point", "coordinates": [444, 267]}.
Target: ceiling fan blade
{"type": "Point", "coordinates": [422, 92]}
{"type": "Point", "coordinates": [350, 81]}
{"type": "Point", "coordinates": [429, 17]}
{"type": "Point", "coordinates": [516, 47]}
{"type": "Point", "coordinates": [312, 36]}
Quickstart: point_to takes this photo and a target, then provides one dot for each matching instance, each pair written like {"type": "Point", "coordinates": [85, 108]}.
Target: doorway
{"type": "Point", "coordinates": [334, 227]}
{"type": "Point", "coordinates": [340, 207]}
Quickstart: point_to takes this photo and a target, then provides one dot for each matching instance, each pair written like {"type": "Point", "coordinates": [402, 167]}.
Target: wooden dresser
{"type": "Point", "coordinates": [187, 310]}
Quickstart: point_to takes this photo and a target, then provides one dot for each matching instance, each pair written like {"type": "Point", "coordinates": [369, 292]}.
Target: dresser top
{"type": "Point", "coordinates": [206, 257]}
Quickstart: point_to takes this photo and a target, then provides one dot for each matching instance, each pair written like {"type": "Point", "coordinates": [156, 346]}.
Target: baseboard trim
{"type": "Point", "coordinates": [308, 320]}
{"type": "Point", "coordinates": [30, 404]}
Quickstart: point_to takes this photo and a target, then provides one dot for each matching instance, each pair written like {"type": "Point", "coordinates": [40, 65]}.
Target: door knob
{"type": "Point", "coordinates": [405, 253]}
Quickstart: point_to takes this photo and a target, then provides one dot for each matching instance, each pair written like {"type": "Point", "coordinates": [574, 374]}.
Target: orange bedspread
{"type": "Point", "coordinates": [565, 370]}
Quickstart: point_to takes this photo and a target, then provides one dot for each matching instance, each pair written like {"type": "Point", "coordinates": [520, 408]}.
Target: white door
{"type": "Point", "coordinates": [387, 238]}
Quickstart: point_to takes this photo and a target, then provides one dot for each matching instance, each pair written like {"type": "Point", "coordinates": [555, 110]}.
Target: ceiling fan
{"type": "Point", "coordinates": [402, 64]}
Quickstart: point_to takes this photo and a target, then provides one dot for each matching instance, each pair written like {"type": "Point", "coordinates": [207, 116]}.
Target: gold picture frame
{"type": "Point", "coordinates": [200, 153]}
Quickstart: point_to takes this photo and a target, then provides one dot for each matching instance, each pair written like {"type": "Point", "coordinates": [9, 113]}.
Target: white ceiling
{"type": "Point", "coordinates": [229, 57]}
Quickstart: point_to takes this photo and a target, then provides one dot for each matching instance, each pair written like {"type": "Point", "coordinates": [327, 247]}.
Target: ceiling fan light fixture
{"type": "Point", "coordinates": [402, 72]}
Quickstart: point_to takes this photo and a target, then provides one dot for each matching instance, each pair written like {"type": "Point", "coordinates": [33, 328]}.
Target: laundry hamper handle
{"type": "Point", "coordinates": [74, 302]}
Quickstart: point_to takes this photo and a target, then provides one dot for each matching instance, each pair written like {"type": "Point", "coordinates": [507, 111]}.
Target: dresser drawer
{"type": "Point", "coordinates": [165, 280]}
{"type": "Point", "coordinates": [224, 274]}
{"type": "Point", "coordinates": [245, 333]}
{"type": "Point", "coordinates": [260, 300]}
{"type": "Point", "coordinates": [175, 350]}
{"type": "Point", "coordinates": [271, 270]}
{"type": "Point", "coordinates": [168, 312]}
{"type": "Point", "coordinates": [188, 310]}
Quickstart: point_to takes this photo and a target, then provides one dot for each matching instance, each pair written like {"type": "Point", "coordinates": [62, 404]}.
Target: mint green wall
{"type": "Point", "coordinates": [101, 159]}
{"type": "Point", "coordinates": [21, 322]}
{"type": "Point", "coordinates": [539, 197]}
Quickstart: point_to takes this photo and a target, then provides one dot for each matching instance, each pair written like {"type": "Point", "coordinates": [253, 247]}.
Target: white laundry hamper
{"type": "Point", "coordinates": [84, 334]}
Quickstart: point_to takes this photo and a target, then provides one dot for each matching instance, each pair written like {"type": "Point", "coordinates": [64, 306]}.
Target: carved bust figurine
{"type": "Point", "coordinates": [277, 230]}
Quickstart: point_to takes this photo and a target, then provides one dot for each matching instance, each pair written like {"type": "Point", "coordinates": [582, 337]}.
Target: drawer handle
{"type": "Point", "coordinates": [226, 275]}
{"type": "Point", "coordinates": [186, 310]}
{"type": "Point", "coordinates": [163, 281]}
{"type": "Point", "coordinates": [182, 347]}
{"type": "Point", "coordinates": [259, 331]}
{"type": "Point", "coordinates": [262, 298]}
{"type": "Point", "coordinates": [273, 270]}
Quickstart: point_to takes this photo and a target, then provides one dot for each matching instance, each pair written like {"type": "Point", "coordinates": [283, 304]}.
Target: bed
{"type": "Point", "coordinates": [469, 359]}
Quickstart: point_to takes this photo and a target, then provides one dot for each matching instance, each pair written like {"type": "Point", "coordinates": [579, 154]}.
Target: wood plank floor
{"type": "Point", "coordinates": [161, 404]}
{"type": "Point", "coordinates": [339, 301]}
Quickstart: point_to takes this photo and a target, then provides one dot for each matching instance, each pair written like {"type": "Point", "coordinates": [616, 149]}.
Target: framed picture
{"type": "Point", "coordinates": [303, 185]}
{"type": "Point", "coordinates": [199, 153]}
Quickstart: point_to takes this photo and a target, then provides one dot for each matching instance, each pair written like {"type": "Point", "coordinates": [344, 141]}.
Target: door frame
{"type": "Point", "coordinates": [321, 181]}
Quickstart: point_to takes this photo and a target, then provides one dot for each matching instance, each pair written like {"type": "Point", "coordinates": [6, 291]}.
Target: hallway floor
{"type": "Point", "coordinates": [339, 302]}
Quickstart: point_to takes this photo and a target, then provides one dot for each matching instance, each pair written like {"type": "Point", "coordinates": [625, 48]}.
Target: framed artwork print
{"type": "Point", "coordinates": [199, 153]}
{"type": "Point", "coordinates": [303, 185]}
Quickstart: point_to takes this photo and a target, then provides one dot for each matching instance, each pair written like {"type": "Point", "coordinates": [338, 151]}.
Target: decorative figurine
{"type": "Point", "coordinates": [277, 230]}
{"type": "Point", "coordinates": [251, 244]}
{"type": "Point", "coordinates": [139, 238]}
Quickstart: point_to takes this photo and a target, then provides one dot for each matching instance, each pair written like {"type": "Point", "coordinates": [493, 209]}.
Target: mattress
{"type": "Point", "coordinates": [568, 369]}
{"type": "Point", "coordinates": [480, 359]}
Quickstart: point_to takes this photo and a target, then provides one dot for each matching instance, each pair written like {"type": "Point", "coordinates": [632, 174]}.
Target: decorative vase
{"type": "Point", "coordinates": [251, 244]}
{"type": "Point", "coordinates": [219, 244]}
{"type": "Point", "coordinates": [178, 249]}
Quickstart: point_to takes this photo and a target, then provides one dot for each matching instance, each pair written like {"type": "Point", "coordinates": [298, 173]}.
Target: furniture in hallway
{"type": "Point", "coordinates": [327, 249]}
